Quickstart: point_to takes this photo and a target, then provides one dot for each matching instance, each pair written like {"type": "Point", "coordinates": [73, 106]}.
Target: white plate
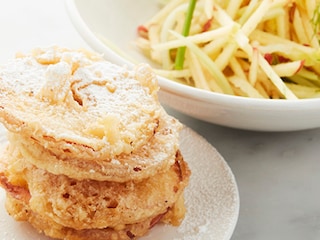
{"type": "Point", "coordinates": [117, 21]}
{"type": "Point", "coordinates": [212, 199]}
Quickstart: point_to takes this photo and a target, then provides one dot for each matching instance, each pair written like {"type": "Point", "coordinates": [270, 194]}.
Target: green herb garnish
{"type": "Point", "coordinates": [185, 32]}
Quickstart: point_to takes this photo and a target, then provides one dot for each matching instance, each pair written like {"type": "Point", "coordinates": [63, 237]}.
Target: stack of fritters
{"type": "Point", "coordinates": [91, 152]}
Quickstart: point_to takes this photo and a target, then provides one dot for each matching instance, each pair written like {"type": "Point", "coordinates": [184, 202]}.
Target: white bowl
{"type": "Point", "coordinates": [99, 21]}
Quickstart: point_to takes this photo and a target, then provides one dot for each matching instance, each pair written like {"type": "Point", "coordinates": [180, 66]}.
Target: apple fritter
{"type": "Point", "coordinates": [89, 203]}
{"type": "Point", "coordinates": [155, 156]}
{"type": "Point", "coordinates": [21, 211]}
{"type": "Point", "coordinates": [74, 103]}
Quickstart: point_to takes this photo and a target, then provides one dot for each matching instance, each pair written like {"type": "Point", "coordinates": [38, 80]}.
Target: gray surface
{"type": "Point", "coordinates": [278, 176]}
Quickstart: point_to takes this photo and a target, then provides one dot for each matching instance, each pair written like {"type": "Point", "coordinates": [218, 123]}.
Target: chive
{"type": "Point", "coordinates": [185, 32]}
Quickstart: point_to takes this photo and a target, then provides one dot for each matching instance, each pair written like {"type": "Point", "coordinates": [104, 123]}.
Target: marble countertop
{"type": "Point", "coordinates": [277, 176]}
{"type": "Point", "coordinates": [277, 173]}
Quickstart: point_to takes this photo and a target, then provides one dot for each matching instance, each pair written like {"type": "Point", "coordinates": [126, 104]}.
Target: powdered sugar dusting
{"type": "Point", "coordinates": [75, 97]}
{"type": "Point", "coordinates": [212, 195]}
{"type": "Point", "coordinates": [212, 198]}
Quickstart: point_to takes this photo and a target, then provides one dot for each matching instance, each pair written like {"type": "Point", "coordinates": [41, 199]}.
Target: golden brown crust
{"type": "Point", "coordinates": [155, 156]}
{"type": "Point", "coordinates": [21, 212]}
{"type": "Point", "coordinates": [95, 204]}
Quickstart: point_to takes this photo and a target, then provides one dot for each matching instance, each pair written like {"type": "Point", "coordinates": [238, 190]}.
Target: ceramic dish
{"type": "Point", "coordinates": [115, 22]}
{"type": "Point", "coordinates": [212, 199]}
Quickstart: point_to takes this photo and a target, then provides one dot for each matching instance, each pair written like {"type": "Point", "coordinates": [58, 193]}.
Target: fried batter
{"type": "Point", "coordinates": [155, 156]}
{"type": "Point", "coordinates": [21, 212]}
{"type": "Point", "coordinates": [77, 104]}
{"type": "Point", "coordinates": [95, 204]}
{"type": "Point", "coordinates": [92, 154]}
